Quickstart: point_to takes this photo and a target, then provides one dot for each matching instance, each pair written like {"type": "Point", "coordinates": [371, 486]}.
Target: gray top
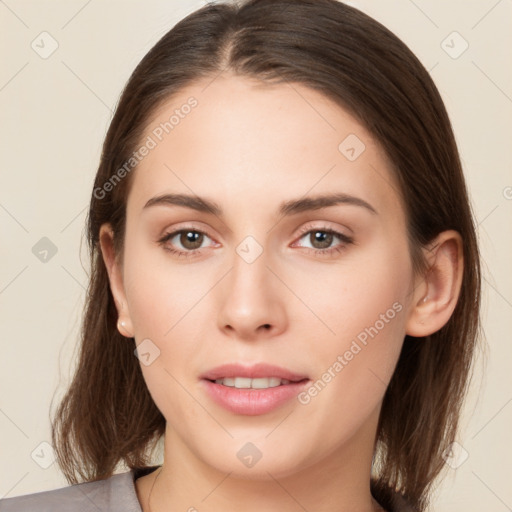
{"type": "Point", "coordinates": [114, 494]}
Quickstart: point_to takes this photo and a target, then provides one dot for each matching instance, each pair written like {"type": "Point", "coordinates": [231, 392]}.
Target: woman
{"type": "Point", "coordinates": [285, 278]}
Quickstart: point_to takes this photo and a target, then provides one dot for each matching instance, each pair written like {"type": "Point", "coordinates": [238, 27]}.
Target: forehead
{"type": "Point", "coordinates": [240, 139]}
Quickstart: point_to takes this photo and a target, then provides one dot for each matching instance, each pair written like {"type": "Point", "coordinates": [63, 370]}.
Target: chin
{"type": "Point", "coordinates": [253, 460]}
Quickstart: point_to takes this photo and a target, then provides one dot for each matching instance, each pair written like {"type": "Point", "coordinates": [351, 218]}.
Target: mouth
{"type": "Point", "coordinates": [252, 390]}
{"type": "Point", "coordinates": [258, 383]}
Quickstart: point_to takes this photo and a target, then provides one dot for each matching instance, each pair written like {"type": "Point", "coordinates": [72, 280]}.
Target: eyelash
{"type": "Point", "coordinates": [304, 231]}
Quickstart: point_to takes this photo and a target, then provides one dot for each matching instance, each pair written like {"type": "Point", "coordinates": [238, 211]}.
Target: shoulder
{"type": "Point", "coordinates": [114, 494]}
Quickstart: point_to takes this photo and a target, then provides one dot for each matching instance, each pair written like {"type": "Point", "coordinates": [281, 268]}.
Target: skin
{"type": "Point", "coordinates": [248, 147]}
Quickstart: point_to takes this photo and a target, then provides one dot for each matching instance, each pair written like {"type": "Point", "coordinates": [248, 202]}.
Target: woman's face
{"type": "Point", "coordinates": [274, 277]}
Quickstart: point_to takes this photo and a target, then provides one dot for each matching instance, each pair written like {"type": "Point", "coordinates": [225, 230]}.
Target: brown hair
{"type": "Point", "coordinates": [108, 416]}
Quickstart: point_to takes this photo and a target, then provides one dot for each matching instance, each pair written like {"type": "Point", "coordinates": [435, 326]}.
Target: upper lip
{"type": "Point", "coordinates": [253, 371]}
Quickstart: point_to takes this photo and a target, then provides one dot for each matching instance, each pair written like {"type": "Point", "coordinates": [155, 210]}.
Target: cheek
{"type": "Point", "coordinates": [366, 290]}
{"type": "Point", "coordinates": [162, 302]}
{"type": "Point", "coordinates": [160, 293]}
{"type": "Point", "coordinates": [364, 306]}
{"type": "Point", "coordinates": [163, 308]}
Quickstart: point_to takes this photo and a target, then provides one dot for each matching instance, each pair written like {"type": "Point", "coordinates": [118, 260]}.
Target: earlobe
{"type": "Point", "coordinates": [106, 237]}
{"type": "Point", "coordinates": [436, 296]}
{"type": "Point", "coordinates": [122, 328]}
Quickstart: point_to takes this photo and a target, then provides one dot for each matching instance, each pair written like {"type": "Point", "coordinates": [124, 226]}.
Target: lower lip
{"type": "Point", "coordinates": [253, 402]}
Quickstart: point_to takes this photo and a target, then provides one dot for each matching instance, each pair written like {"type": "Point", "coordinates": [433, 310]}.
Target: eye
{"type": "Point", "coordinates": [322, 238]}
{"type": "Point", "coordinates": [188, 241]}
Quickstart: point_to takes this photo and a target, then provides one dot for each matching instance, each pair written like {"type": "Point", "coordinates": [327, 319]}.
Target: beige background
{"type": "Point", "coordinates": [55, 114]}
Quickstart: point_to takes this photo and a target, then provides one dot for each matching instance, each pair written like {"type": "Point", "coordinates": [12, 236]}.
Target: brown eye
{"type": "Point", "coordinates": [184, 242]}
{"type": "Point", "coordinates": [191, 239]}
{"type": "Point", "coordinates": [320, 239]}
{"type": "Point", "coordinates": [324, 241]}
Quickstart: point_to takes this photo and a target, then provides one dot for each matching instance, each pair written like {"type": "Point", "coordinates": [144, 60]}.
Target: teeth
{"type": "Point", "coordinates": [245, 382]}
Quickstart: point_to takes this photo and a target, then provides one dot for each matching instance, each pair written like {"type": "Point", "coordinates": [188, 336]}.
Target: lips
{"type": "Point", "coordinates": [252, 390]}
{"type": "Point", "coordinates": [256, 371]}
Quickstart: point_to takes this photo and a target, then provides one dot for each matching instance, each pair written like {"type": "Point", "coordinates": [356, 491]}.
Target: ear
{"type": "Point", "coordinates": [436, 292]}
{"type": "Point", "coordinates": [115, 275]}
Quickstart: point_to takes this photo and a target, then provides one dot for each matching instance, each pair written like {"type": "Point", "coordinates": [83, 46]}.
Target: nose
{"type": "Point", "coordinates": [251, 300]}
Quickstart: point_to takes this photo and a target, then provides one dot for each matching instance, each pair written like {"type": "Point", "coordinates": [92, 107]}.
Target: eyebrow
{"type": "Point", "coordinates": [286, 208]}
